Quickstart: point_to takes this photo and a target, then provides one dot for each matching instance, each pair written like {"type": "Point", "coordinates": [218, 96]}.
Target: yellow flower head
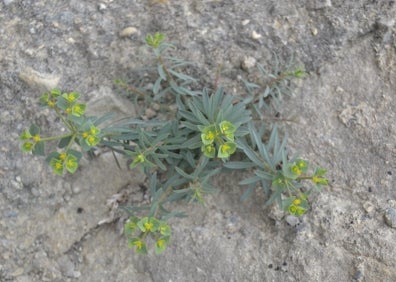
{"type": "Point", "coordinates": [36, 138]}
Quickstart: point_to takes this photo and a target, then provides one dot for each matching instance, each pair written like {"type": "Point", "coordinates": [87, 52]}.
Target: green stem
{"type": "Point", "coordinates": [71, 128]}
{"type": "Point", "coordinates": [161, 198]}
{"type": "Point", "coordinates": [51, 138]}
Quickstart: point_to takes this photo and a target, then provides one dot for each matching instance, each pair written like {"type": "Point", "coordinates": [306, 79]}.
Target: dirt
{"type": "Point", "coordinates": [345, 113]}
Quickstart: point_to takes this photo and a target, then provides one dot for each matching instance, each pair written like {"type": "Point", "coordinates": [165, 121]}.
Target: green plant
{"type": "Point", "coordinates": [209, 132]}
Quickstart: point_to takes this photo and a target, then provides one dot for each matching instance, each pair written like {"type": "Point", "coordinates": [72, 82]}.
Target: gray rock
{"type": "Point", "coordinates": [8, 2]}
{"type": "Point", "coordinates": [292, 220]}
{"type": "Point", "coordinates": [126, 32]}
{"type": "Point", "coordinates": [390, 217]}
{"type": "Point", "coordinates": [67, 267]}
{"type": "Point", "coordinates": [320, 4]}
{"type": "Point", "coordinates": [39, 81]}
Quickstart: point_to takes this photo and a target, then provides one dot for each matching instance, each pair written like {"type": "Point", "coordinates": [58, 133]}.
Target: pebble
{"type": "Point", "coordinates": [102, 7]}
{"type": "Point", "coordinates": [245, 22]}
{"type": "Point", "coordinates": [314, 31]}
{"type": "Point", "coordinates": [67, 267]}
{"type": "Point", "coordinates": [76, 189]}
{"type": "Point", "coordinates": [18, 272]}
{"type": "Point", "coordinates": [126, 32]}
{"type": "Point", "coordinates": [368, 207]}
{"type": "Point", "coordinates": [390, 217]}
{"type": "Point", "coordinates": [292, 220]}
{"type": "Point", "coordinates": [39, 81]}
{"type": "Point", "coordinates": [156, 106]}
{"type": "Point", "coordinates": [150, 113]}
{"type": "Point", "coordinates": [255, 35]}
{"type": "Point", "coordinates": [248, 63]}
{"type": "Point", "coordinates": [7, 2]}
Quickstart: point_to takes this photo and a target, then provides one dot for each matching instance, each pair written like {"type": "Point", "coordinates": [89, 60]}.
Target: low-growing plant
{"type": "Point", "coordinates": [208, 132]}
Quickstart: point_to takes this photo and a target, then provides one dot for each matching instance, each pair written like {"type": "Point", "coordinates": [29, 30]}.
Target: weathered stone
{"type": "Point", "coordinates": [39, 81]}
{"type": "Point", "coordinates": [390, 217]}
{"type": "Point", "coordinates": [126, 32]}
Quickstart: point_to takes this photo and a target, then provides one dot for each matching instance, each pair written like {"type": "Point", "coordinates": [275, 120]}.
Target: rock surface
{"type": "Point", "coordinates": [346, 109]}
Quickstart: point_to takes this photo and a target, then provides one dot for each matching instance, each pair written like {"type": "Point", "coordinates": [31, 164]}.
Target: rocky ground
{"type": "Point", "coordinates": [346, 110]}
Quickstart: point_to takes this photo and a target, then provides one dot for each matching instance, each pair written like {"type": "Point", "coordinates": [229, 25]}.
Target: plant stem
{"type": "Point", "coordinates": [51, 138]}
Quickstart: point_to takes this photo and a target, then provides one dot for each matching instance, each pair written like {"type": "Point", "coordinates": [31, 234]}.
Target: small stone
{"type": "Point", "coordinates": [245, 22]}
{"type": "Point", "coordinates": [76, 189]}
{"type": "Point", "coordinates": [67, 267]}
{"type": "Point", "coordinates": [392, 203]}
{"type": "Point", "coordinates": [7, 2]}
{"type": "Point", "coordinates": [248, 63]}
{"type": "Point", "coordinates": [18, 272]}
{"type": "Point", "coordinates": [320, 4]}
{"type": "Point", "coordinates": [39, 81]}
{"type": "Point", "coordinates": [156, 107]}
{"type": "Point", "coordinates": [390, 217]}
{"type": "Point", "coordinates": [368, 207]}
{"type": "Point", "coordinates": [150, 113]}
{"type": "Point", "coordinates": [255, 35]}
{"type": "Point", "coordinates": [314, 31]}
{"type": "Point", "coordinates": [126, 32]}
{"type": "Point", "coordinates": [70, 40]}
{"type": "Point", "coordinates": [292, 220]}
{"type": "Point", "coordinates": [102, 7]}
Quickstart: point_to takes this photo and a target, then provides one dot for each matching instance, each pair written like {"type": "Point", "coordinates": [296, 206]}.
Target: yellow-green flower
{"type": "Point", "coordinates": [296, 170]}
{"type": "Point", "coordinates": [161, 244]}
{"type": "Point", "coordinates": [36, 138]}
{"type": "Point", "coordinates": [208, 135]}
{"type": "Point", "coordinates": [85, 134]}
{"type": "Point", "coordinates": [164, 228]}
{"type": "Point", "coordinates": [25, 135]}
{"type": "Point", "coordinates": [71, 163]}
{"type": "Point", "coordinates": [78, 110]}
{"type": "Point", "coordinates": [27, 147]}
{"type": "Point", "coordinates": [227, 127]}
{"type": "Point", "coordinates": [140, 158]}
{"type": "Point", "coordinates": [319, 180]}
{"type": "Point", "coordinates": [148, 224]}
{"type": "Point", "coordinates": [92, 140]}
{"type": "Point", "coordinates": [209, 150]}
{"type": "Point", "coordinates": [62, 156]}
{"type": "Point", "coordinates": [292, 209]}
{"type": "Point", "coordinates": [71, 97]}
{"type": "Point", "coordinates": [51, 103]}
{"type": "Point", "coordinates": [139, 245]}
{"type": "Point", "coordinates": [296, 202]}
{"type": "Point", "coordinates": [94, 130]}
{"type": "Point", "coordinates": [57, 166]}
{"type": "Point", "coordinates": [300, 211]}
{"type": "Point", "coordinates": [131, 225]}
{"type": "Point", "coordinates": [298, 206]}
{"type": "Point", "coordinates": [227, 149]}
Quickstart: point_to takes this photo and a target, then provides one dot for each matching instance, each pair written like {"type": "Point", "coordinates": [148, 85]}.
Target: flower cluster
{"type": "Point", "coordinates": [66, 160]}
{"type": "Point", "coordinates": [32, 141]}
{"type": "Point", "coordinates": [318, 178]}
{"type": "Point", "coordinates": [66, 102]}
{"type": "Point", "coordinates": [297, 168]}
{"type": "Point", "coordinates": [158, 229]}
{"type": "Point", "coordinates": [220, 136]}
{"type": "Point", "coordinates": [90, 135]}
{"type": "Point", "coordinates": [298, 206]}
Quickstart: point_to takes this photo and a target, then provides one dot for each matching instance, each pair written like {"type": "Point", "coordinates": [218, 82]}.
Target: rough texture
{"type": "Point", "coordinates": [346, 113]}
